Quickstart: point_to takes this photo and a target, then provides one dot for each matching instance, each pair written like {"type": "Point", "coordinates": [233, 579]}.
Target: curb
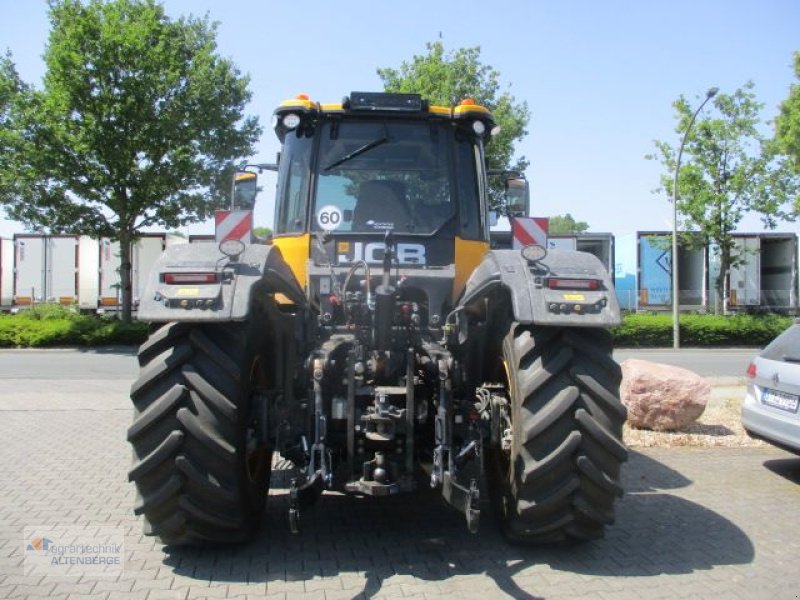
{"type": "Point", "coordinates": [727, 381]}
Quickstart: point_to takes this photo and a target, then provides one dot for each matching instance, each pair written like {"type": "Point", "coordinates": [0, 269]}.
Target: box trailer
{"type": "Point", "coordinates": [88, 272]}
{"type": "Point", "coordinates": [205, 238]}
{"type": "Point", "coordinates": [145, 252]}
{"type": "Point", "coordinates": [61, 265]}
{"type": "Point", "coordinates": [766, 276]}
{"type": "Point", "coordinates": [561, 242]}
{"type": "Point", "coordinates": [600, 245]}
{"type": "Point", "coordinates": [6, 273]}
{"type": "Point", "coordinates": [743, 286]}
{"type": "Point", "coordinates": [778, 262]}
{"type": "Point", "coordinates": [29, 269]}
{"type": "Point", "coordinates": [109, 262]}
{"type": "Point", "coordinates": [655, 272]}
{"type": "Point", "coordinates": [625, 271]}
{"type": "Point", "coordinates": [46, 269]}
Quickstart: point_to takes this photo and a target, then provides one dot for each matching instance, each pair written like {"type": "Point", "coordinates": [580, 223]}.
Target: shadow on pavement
{"type": "Point", "coordinates": [788, 468]}
{"type": "Point", "coordinates": [643, 473]}
{"type": "Point", "coordinates": [416, 535]}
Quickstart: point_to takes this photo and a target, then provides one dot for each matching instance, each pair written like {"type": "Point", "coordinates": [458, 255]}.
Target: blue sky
{"type": "Point", "coordinates": [599, 77]}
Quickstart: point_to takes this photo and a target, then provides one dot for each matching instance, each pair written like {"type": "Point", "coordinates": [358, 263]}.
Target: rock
{"type": "Point", "coordinates": [662, 397]}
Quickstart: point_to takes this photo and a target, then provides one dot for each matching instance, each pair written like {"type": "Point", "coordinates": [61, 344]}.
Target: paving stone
{"type": "Point", "coordinates": [694, 523]}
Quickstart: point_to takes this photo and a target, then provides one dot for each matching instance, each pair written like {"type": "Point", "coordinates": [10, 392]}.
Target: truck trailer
{"type": "Point", "coordinates": [6, 273]}
{"type": "Point", "coordinates": [655, 272]}
{"type": "Point", "coordinates": [765, 277]}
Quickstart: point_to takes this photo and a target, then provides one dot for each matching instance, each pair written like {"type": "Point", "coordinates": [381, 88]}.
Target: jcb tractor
{"type": "Point", "coordinates": [378, 343]}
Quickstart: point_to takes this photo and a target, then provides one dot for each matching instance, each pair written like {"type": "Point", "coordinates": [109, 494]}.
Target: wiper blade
{"type": "Point", "coordinates": [357, 152]}
{"type": "Point", "coordinates": [791, 358]}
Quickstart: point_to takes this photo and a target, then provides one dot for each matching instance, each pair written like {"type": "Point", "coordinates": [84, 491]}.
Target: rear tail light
{"type": "Point", "coordinates": [558, 283]}
{"type": "Point", "coordinates": [197, 278]}
{"type": "Point", "coordinates": [751, 370]}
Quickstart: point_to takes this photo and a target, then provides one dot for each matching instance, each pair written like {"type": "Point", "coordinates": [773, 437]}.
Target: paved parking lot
{"type": "Point", "coordinates": [694, 524]}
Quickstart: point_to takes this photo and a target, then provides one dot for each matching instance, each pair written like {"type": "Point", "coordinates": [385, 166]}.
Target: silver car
{"type": "Point", "coordinates": [770, 409]}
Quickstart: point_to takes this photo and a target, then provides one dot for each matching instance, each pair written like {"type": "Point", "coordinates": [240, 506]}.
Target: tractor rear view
{"type": "Point", "coordinates": [378, 343]}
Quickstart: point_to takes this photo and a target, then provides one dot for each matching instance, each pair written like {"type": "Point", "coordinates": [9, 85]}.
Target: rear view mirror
{"type": "Point", "coordinates": [245, 187]}
{"type": "Point", "coordinates": [517, 196]}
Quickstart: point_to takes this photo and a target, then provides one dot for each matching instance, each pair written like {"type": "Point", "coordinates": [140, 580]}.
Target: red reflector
{"type": "Point", "coordinates": [573, 284]}
{"type": "Point", "coordinates": [751, 370]}
{"type": "Point", "coordinates": [176, 278]}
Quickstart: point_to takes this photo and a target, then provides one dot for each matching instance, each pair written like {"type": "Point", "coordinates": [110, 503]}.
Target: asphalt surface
{"type": "Point", "coordinates": [708, 362]}
{"type": "Point", "coordinates": [120, 362]}
{"type": "Point", "coordinates": [694, 523]}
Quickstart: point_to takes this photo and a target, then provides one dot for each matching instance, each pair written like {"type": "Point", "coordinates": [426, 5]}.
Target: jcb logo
{"type": "Point", "coordinates": [372, 253]}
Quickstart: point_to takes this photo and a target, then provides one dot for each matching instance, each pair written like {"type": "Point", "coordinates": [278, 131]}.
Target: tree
{"type": "Point", "coordinates": [565, 225]}
{"type": "Point", "coordinates": [139, 123]}
{"type": "Point", "coordinates": [262, 233]}
{"type": "Point", "coordinates": [728, 169]}
{"type": "Point", "coordinates": [447, 78]}
{"type": "Point", "coordinates": [13, 92]}
{"type": "Point", "coordinates": [787, 127]}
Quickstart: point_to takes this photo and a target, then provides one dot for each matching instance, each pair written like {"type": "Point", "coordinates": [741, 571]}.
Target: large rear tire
{"type": "Point", "coordinates": [559, 476]}
{"type": "Point", "coordinates": [200, 469]}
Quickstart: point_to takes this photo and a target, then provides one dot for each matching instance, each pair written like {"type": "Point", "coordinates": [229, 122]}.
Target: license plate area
{"type": "Point", "coordinates": [780, 400]}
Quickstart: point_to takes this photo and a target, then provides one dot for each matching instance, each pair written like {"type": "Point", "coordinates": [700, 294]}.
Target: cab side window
{"type": "Point", "coordinates": [294, 178]}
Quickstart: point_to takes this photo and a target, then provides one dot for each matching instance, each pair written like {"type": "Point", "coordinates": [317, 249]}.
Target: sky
{"type": "Point", "coordinates": [599, 77]}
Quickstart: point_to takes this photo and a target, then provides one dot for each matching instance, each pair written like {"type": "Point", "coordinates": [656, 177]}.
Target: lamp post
{"type": "Point", "coordinates": [676, 330]}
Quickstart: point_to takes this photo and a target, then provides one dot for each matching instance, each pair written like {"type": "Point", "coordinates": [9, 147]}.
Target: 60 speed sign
{"type": "Point", "coordinates": [329, 217]}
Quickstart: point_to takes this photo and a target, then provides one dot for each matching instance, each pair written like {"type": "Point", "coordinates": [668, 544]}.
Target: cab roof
{"type": "Point", "coordinates": [383, 104]}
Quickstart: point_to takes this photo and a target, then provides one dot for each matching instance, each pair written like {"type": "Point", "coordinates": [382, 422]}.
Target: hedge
{"type": "Point", "coordinates": [654, 330]}
{"type": "Point", "coordinates": [52, 325]}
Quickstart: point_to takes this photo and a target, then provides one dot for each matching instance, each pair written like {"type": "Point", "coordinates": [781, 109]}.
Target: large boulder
{"type": "Point", "coordinates": [662, 397]}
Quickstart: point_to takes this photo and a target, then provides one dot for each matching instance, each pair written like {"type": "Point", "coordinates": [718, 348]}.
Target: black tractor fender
{"type": "Point", "coordinates": [504, 281]}
{"type": "Point", "coordinates": [257, 273]}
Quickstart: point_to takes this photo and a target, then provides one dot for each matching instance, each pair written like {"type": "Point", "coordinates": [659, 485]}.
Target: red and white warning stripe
{"type": "Point", "coordinates": [529, 230]}
{"type": "Point", "coordinates": [233, 225]}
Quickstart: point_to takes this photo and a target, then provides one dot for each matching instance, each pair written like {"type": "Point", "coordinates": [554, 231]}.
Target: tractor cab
{"type": "Point", "coordinates": [376, 170]}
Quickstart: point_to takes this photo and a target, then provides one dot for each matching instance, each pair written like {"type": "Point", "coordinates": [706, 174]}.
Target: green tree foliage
{"type": "Point", "coordinates": [446, 78]}
{"type": "Point", "coordinates": [262, 233]}
{"type": "Point", "coordinates": [13, 93]}
{"type": "Point", "coordinates": [728, 169]}
{"type": "Point", "coordinates": [787, 127]}
{"type": "Point", "coordinates": [565, 225]}
{"type": "Point", "coordinates": [138, 123]}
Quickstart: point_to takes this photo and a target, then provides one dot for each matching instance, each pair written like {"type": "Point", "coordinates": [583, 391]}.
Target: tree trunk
{"type": "Point", "coordinates": [719, 281]}
{"type": "Point", "coordinates": [125, 270]}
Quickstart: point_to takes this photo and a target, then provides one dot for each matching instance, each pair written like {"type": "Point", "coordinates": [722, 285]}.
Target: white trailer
{"type": "Point", "coordinates": [46, 269]}
{"type": "Point", "coordinates": [561, 242]}
{"type": "Point", "coordinates": [600, 245]}
{"type": "Point", "coordinates": [29, 269]}
{"type": "Point", "coordinates": [145, 253]}
{"type": "Point", "coordinates": [744, 281]}
{"type": "Point", "coordinates": [779, 271]}
{"type": "Point", "coordinates": [202, 238]}
{"type": "Point", "coordinates": [88, 267]}
{"type": "Point", "coordinates": [766, 275]}
{"type": "Point", "coordinates": [109, 265]}
{"type": "Point", "coordinates": [61, 264]}
{"type": "Point", "coordinates": [6, 273]}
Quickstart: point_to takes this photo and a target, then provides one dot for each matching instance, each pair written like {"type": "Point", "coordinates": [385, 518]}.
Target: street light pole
{"type": "Point", "coordinates": [676, 330]}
